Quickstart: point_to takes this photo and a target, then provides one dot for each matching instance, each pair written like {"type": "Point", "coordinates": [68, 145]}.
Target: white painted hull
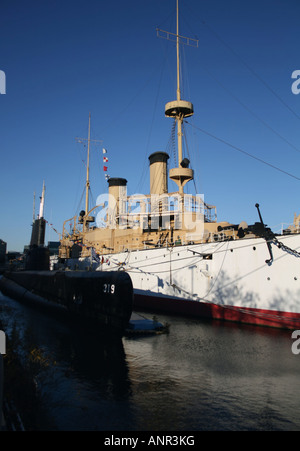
{"type": "Point", "coordinates": [222, 278]}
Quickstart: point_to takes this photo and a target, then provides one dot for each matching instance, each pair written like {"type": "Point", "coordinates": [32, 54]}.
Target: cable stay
{"type": "Point", "coordinates": [256, 75]}
{"type": "Point", "coordinates": [243, 151]}
{"type": "Point", "coordinates": [252, 112]}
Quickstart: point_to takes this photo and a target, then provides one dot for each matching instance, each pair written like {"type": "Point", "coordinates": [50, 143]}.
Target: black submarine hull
{"type": "Point", "coordinates": [102, 298]}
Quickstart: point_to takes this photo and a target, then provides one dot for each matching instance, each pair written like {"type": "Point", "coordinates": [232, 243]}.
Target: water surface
{"type": "Point", "coordinates": [202, 375]}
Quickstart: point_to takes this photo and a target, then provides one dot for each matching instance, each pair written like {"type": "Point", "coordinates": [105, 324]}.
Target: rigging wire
{"type": "Point", "coordinates": [188, 153]}
{"type": "Point", "coordinates": [170, 19]}
{"type": "Point", "coordinates": [243, 151]}
{"type": "Point", "coordinates": [249, 110]}
{"type": "Point", "coordinates": [266, 85]}
{"type": "Point", "coordinates": [80, 202]}
{"type": "Point", "coordinates": [153, 116]}
{"type": "Point", "coordinates": [252, 112]}
{"type": "Point", "coordinates": [250, 69]}
{"type": "Point", "coordinates": [173, 142]}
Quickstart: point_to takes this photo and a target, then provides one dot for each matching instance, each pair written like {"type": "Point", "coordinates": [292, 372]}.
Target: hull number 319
{"type": "Point", "coordinates": [109, 288]}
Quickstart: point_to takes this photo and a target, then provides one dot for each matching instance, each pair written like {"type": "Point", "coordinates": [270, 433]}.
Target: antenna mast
{"type": "Point", "coordinates": [177, 49]}
{"type": "Point", "coordinates": [179, 109]}
{"type": "Point", "coordinates": [87, 183]}
{"type": "Point", "coordinates": [42, 202]}
{"type": "Point", "coordinates": [34, 206]}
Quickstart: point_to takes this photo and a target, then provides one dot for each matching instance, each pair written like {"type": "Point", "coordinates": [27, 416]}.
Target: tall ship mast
{"type": "Point", "coordinates": [180, 258]}
{"type": "Point", "coordinates": [179, 109]}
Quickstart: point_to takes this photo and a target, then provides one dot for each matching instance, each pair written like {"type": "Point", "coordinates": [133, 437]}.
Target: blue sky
{"type": "Point", "coordinates": [64, 59]}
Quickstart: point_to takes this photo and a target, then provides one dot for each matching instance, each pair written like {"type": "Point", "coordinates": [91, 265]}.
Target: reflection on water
{"type": "Point", "coordinates": [200, 376]}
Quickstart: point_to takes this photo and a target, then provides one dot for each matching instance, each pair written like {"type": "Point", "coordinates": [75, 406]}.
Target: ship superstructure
{"type": "Point", "coordinates": [160, 218]}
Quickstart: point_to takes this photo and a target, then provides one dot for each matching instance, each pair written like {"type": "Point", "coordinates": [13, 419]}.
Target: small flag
{"type": "Point", "coordinates": [105, 159]}
{"type": "Point", "coordinates": [104, 168]}
{"type": "Point", "coordinates": [104, 150]}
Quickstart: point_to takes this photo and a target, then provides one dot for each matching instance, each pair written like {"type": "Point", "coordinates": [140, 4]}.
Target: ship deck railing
{"type": "Point", "coordinates": [151, 244]}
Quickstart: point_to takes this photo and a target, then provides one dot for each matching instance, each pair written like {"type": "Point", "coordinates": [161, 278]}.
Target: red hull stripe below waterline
{"type": "Point", "coordinates": [270, 318]}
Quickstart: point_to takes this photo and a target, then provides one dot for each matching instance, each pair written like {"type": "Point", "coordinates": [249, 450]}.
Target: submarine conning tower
{"type": "Point", "coordinates": [38, 257]}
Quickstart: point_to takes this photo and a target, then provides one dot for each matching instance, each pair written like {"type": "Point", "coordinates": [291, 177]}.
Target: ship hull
{"type": "Point", "coordinates": [224, 280]}
{"type": "Point", "coordinates": [203, 310]}
{"type": "Point", "coordinates": [104, 300]}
